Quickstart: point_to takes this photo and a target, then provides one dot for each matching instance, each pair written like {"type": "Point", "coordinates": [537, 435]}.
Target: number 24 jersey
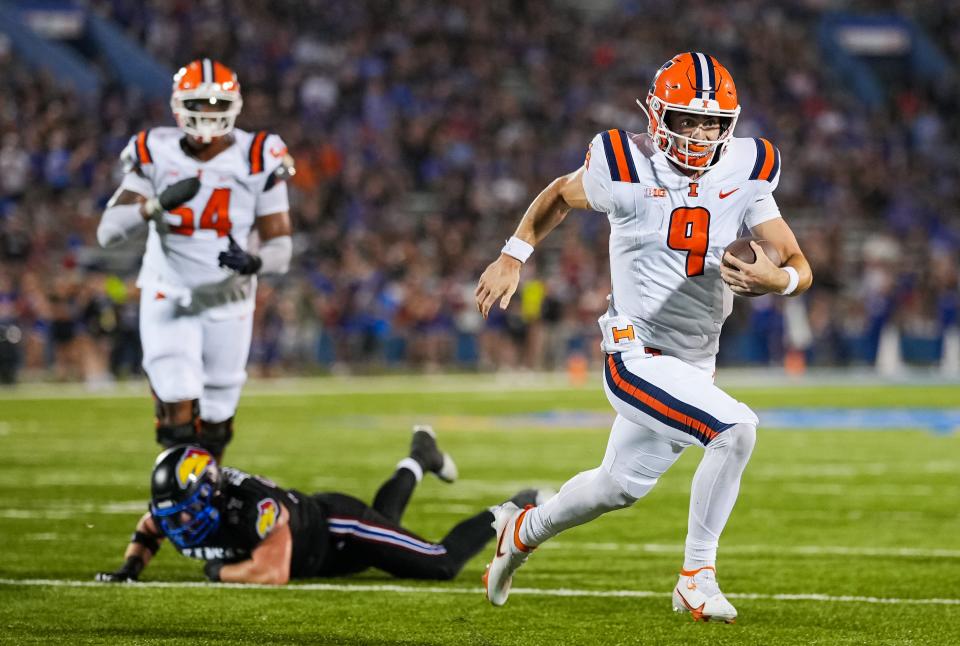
{"type": "Point", "coordinates": [237, 186]}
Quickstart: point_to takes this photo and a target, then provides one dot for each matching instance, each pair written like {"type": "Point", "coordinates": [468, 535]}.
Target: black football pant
{"type": "Point", "coordinates": [362, 536]}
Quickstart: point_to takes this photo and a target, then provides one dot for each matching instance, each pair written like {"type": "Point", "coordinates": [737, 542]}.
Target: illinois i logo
{"type": "Point", "coordinates": [191, 466]}
{"type": "Point", "coordinates": [268, 513]}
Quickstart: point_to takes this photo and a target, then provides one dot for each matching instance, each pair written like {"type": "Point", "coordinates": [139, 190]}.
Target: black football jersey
{"type": "Point", "coordinates": [250, 509]}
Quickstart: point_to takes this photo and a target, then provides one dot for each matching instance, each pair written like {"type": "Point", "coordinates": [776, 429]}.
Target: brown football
{"type": "Point", "coordinates": [740, 248]}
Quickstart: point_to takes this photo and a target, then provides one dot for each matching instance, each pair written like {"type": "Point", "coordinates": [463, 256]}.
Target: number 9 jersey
{"type": "Point", "coordinates": [240, 184]}
{"type": "Point", "coordinates": [667, 236]}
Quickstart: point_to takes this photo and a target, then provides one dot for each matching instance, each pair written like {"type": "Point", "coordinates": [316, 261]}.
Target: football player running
{"type": "Point", "coordinates": [675, 198]}
{"type": "Point", "coordinates": [249, 530]}
{"type": "Point", "coordinates": [200, 189]}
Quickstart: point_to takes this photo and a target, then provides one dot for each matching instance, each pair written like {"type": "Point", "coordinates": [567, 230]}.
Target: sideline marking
{"type": "Point", "coordinates": [123, 508]}
{"type": "Point", "coordinates": [404, 589]}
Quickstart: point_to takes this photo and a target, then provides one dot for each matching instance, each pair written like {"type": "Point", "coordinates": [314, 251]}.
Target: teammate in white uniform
{"type": "Point", "coordinates": [675, 197]}
{"type": "Point", "coordinates": [201, 188]}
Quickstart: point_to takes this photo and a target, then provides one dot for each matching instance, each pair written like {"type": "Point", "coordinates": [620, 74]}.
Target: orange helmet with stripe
{"type": "Point", "coordinates": [691, 83]}
{"type": "Point", "coordinates": [206, 99]}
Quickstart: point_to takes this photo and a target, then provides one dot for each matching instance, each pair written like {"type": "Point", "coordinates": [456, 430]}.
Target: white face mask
{"type": "Point", "coordinates": [687, 152]}
{"type": "Point", "coordinates": [206, 125]}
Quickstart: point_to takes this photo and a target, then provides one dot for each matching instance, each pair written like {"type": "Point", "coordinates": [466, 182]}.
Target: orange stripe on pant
{"type": "Point", "coordinates": [656, 404]}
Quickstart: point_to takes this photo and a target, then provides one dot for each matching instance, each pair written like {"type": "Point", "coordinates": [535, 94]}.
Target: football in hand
{"type": "Point", "coordinates": [741, 249]}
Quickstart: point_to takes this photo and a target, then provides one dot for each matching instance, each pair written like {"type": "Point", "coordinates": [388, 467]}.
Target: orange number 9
{"type": "Point", "coordinates": [690, 232]}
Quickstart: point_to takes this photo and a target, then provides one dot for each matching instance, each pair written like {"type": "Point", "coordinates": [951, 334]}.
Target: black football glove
{"type": "Point", "coordinates": [238, 260]}
{"type": "Point", "coordinates": [212, 569]}
{"type": "Point", "coordinates": [129, 572]}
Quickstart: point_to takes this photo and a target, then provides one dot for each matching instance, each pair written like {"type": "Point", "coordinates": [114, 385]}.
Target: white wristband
{"type": "Point", "coordinates": [517, 248]}
{"type": "Point", "coordinates": [794, 280]}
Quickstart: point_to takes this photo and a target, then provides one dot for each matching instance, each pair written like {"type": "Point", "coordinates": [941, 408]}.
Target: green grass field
{"type": "Point", "coordinates": [839, 537]}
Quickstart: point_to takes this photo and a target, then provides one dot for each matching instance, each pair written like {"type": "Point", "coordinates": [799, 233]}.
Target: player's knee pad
{"type": "Point", "coordinates": [737, 440]}
{"type": "Point", "coordinates": [177, 422]}
{"type": "Point", "coordinates": [610, 494]}
{"type": "Point", "coordinates": [214, 436]}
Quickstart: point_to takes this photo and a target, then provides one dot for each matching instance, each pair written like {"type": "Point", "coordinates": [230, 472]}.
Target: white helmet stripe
{"type": "Point", "coordinates": [702, 63]}
{"type": "Point", "coordinates": [207, 71]}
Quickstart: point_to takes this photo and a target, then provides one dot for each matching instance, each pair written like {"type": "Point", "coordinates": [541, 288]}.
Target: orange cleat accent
{"type": "Point", "coordinates": [697, 592]}
{"type": "Point", "coordinates": [516, 532]}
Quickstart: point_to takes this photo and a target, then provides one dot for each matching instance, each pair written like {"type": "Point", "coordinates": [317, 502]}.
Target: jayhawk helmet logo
{"type": "Point", "coordinates": [184, 488]}
{"type": "Point", "coordinates": [192, 466]}
{"type": "Point", "coordinates": [693, 83]}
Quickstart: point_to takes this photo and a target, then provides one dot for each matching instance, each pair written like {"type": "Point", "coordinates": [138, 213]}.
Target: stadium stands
{"type": "Point", "coordinates": [421, 133]}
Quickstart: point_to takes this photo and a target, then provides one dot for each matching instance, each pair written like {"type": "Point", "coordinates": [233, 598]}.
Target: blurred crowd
{"type": "Point", "coordinates": [422, 130]}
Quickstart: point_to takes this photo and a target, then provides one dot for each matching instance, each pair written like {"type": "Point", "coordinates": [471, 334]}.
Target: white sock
{"type": "Point", "coordinates": [411, 465]}
{"type": "Point", "coordinates": [714, 492]}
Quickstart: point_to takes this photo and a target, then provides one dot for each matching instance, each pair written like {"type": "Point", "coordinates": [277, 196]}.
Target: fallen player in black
{"type": "Point", "coordinates": [249, 530]}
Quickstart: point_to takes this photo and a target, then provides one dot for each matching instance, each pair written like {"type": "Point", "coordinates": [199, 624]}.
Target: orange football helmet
{"type": "Point", "coordinates": [206, 99]}
{"type": "Point", "coordinates": [693, 83]}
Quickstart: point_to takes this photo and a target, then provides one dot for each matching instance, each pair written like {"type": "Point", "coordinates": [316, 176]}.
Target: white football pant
{"type": "Point", "coordinates": [196, 354]}
{"type": "Point", "coordinates": [663, 406]}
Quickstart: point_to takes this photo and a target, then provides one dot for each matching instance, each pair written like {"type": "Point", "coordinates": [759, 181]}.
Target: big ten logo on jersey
{"type": "Point", "coordinates": [214, 216]}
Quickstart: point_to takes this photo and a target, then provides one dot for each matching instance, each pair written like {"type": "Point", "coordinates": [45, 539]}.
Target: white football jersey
{"type": "Point", "coordinates": [667, 236]}
{"type": "Point", "coordinates": [237, 186]}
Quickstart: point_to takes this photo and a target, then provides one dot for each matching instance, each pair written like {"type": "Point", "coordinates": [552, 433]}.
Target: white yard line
{"type": "Point", "coordinates": [771, 550]}
{"type": "Point", "coordinates": [405, 589]}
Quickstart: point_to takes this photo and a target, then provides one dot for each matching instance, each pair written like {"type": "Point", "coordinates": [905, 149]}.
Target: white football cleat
{"type": "Point", "coordinates": [698, 593]}
{"type": "Point", "coordinates": [510, 554]}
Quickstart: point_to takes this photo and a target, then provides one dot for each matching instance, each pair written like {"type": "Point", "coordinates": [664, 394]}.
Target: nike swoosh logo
{"type": "Point", "coordinates": [728, 193]}
{"type": "Point", "coordinates": [500, 552]}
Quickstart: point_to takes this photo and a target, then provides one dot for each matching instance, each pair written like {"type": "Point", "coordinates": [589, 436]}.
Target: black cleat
{"type": "Point", "coordinates": [424, 449]}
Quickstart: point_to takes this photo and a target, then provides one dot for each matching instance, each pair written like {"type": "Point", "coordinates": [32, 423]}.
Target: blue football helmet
{"type": "Point", "coordinates": [184, 491]}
